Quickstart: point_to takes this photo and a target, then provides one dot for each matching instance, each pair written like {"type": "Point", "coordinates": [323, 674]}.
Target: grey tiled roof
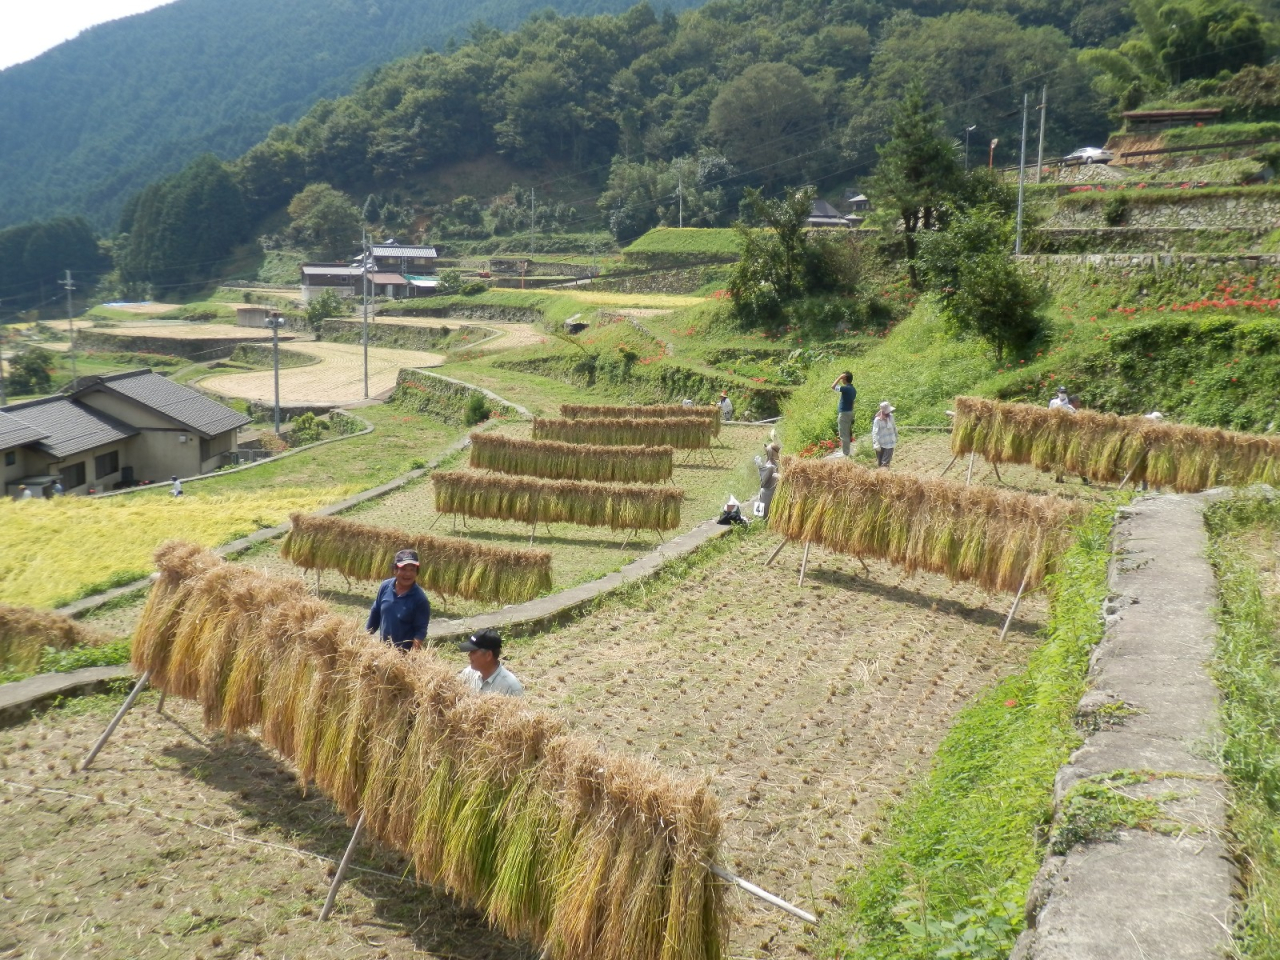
{"type": "Point", "coordinates": [15, 432]}
{"type": "Point", "coordinates": [191, 409]}
{"type": "Point", "coordinates": [68, 427]}
{"type": "Point", "coordinates": [396, 250]}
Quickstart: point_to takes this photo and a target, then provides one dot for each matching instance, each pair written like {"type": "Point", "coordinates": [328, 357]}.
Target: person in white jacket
{"type": "Point", "coordinates": [884, 434]}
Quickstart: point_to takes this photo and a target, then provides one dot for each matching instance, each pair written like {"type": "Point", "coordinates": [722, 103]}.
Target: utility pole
{"type": "Point", "coordinates": [532, 207]}
{"type": "Point", "coordinates": [71, 323]}
{"type": "Point", "coordinates": [1044, 112]}
{"type": "Point", "coordinates": [4, 338]}
{"type": "Point", "coordinates": [680, 194]}
{"type": "Point", "coordinates": [1022, 171]}
{"type": "Point", "coordinates": [364, 296]}
{"type": "Point", "coordinates": [991, 155]}
{"type": "Point", "coordinates": [968, 130]}
{"type": "Point", "coordinates": [275, 320]}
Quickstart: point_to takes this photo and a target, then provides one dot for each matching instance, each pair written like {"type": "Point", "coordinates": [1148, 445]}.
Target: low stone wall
{"type": "Point", "coordinates": [686, 280]}
{"type": "Point", "coordinates": [1199, 271]}
{"type": "Point", "coordinates": [490, 313]}
{"type": "Point", "coordinates": [441, 397]}
{"type": "Point", "coordinates": [1145, 239]}
{"type": "Point", "coordinates": [190, 348]}
{"type": "Point", "coordinates": [1237, 210]}
{"type": "Point", "coordinates": [398, 336]}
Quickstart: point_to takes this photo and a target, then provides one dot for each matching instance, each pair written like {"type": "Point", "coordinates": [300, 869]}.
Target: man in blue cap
{"type": "Point", "coordinates": [401, 610]}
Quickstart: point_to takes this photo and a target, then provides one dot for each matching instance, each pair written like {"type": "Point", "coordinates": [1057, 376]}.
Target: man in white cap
{"type": "Point", "coordinates": [486, 674]}
{"type": "Point", "coordinates": [884, 434]}
{"type": "Point", "coordinates": [401, 611]}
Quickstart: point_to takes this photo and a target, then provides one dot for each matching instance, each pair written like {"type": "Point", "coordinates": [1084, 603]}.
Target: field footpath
{"type": "Point", "coordinates": [1165, 891]}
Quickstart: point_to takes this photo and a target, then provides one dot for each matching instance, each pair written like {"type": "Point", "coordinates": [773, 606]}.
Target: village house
{"type": "Point", "coordinates": [114, 431]}
{"type": "Point", "coordinates": [395, 271]}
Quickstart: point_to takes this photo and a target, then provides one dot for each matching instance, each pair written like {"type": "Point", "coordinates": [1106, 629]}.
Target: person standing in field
{"type": "Point", "coordinates": [1061, 401]}
{"type": "Point", "coordinates": [725, 405]}
{"type": "Point", "coordinates": [177, 487]}
{"type": "Point", "coordinates": [884, 434]}
{"type": "Point", "coordinates": [486, 674]}
{"type": "Point", "coordinates": [23, 492]}
{"type": "Point", "coordinates": [768, 468]}
{"type": "Point", "coordinates": [401, 611]}
{"type": "Point", "coordinates": [844, 410]}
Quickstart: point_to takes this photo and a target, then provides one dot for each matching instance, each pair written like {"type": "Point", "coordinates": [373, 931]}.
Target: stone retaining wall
{"type": "Point", "coordinates": [1192, 212]}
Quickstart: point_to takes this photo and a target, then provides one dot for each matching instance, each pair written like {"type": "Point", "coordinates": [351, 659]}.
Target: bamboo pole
{"type": "Point", "coordinates": [969, 476]}
{"type": "Point", "coordinates": [342, 868]}
{"type": "Point", "coordinates": [115, 721]}
{"type": "Point", "coordinates": [1134, 468]}
{"type": "Point", "coordinates": [996, 468]}
{"type": "Point", "coordinates": [804, 563]}
{"type": "Point", "coordinates": [160, 703]}
{"type": "Point", "coordinates": [777, 550]}
{"type": "Point", "coordinates": [764, 895]}
{"type": "Point", "coordinates": [954, 458]}
{"type": "Point", "coordinates": [1014, 609]}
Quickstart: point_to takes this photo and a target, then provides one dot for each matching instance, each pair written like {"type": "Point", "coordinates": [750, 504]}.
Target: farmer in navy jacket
{"type": "Point", "coordinates": [401, 610]}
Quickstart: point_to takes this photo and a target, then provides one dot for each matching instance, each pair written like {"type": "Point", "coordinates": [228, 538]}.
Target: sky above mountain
{"type": "Point", "coordinates": [31, 30]}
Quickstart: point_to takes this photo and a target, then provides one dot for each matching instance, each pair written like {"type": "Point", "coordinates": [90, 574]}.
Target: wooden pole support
{"type": "Point", "coordinates": [1134, 468]}
{"type": "Point", "coordinates": [804, 563]}
{"type": "Point", "coordinates": [764, 895]}
{"type": "Point", "coordinates": [115, 721]}
{"type": "Point", "coordinates": [949, 465]}
{"type": "Point", "coordinates": [1014, 609]}
{"type": "Point", "coordinates": [342, 869]}
{"type": "Point", "coordinates": [996, 468]}
{"type": "Point", "coordinates": [160, 703]}
{"type": "Point", "coordinates": [777, 550]}
{"type": "Point", "coordinates": [969, 476]}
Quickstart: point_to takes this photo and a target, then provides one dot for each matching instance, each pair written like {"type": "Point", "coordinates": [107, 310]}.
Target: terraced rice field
{"type": "Point", "coordinates": [337, 379]}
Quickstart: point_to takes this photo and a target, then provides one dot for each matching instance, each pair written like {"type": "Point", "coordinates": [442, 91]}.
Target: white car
{"type": "Point", "coordinates": [1089, 155]}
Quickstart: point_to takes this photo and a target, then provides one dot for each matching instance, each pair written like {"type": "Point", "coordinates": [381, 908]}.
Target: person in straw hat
{"type": "Point", "coordinates": [486, 674]}
{"type": "Point", "coordinates": [401, 611]}
{"type": "Point", "coordinates": [725, 405]}
{"type": "Point", "coordinates": [884, 434]}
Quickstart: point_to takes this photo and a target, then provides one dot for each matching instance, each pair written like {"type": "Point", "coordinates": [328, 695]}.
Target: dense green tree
{"type": "Point", "coordinates": [326, 220]}
{"type": "Point", "coordinates": [774, 268]}
{"type": "Point", "coordinates": [183, 227]}
{"type": "Point", "coordinates": [767, 120]}
{"type": "Point", "coordinates": [689, 190]}
{"type": "Point", "coordinates": [917, 171]}
{"type": "Point", "coordinates": [982, 291]}
{"type": "Point", "coordinates": [30, 372]}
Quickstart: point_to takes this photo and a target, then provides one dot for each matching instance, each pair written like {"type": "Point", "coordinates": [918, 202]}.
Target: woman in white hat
{"type": "Point", "coordinates": [884, 434]}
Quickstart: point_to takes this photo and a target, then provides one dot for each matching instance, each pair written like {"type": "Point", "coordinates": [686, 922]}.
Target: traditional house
{"type": "Point", "coordinates": [115, 431]}
{"type": "Point", "coordinates": [824, 214]}
{"type": "Point", "coordinates": [342, 278]}
{"type": "Point", "coordinates": [392, 257]}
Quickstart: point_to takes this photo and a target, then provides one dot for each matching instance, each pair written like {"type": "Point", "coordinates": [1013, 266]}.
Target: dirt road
{"type": "Point", "coordinates": [337, 378]}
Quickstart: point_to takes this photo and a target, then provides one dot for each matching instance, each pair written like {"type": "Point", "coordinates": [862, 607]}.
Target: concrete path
{"type": "Point", "coordinates": [1147, 894]}
{"type": "Point", "coordinates": [18, 700]}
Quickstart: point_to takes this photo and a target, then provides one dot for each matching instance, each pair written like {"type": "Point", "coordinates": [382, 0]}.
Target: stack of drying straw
{"type": "Point", "coordinates": [963, 532]}
{"type": "Point", "coordinates": [450, 565]}
{"type": "Point", "coordinates": [1108, 448]}
{"type": "Point", "coordinates": [683, 433]}
{"type": "Point", "coordinates": [24, 633]}
{"type": "Point", "coordinates": [530, 500]}
{"type": "Point", "coordinates": [660, 411]}
{"type": "Point", "coordinates": [590, 854]}
{"type": "Point", "coordinates": [552, 460]}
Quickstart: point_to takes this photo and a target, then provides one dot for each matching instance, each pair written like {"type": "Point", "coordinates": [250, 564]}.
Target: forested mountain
{"type": "Point", "coordinates": [93, 120]}
{"type": "Point", "coordinates": [767, 91]}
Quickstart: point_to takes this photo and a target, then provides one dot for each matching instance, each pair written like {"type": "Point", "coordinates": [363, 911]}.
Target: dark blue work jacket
{"type": "Point", "coordinates": [399, 619]}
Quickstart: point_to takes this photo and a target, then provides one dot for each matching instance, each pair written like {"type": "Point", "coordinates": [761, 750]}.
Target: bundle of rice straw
{"type": "Point", "coordinates": [683, 433]}
{"type": "Point", "coordinates": [450, 565]}
{"type": "Point", "coordinates": [587, 853]}
{"type": "Point", "coordinates": [1107, 448]}
{"type": "Point", "coordinates": [964, 532]}
{"type": "Point", "coordinates": [552, 460]}
{"type": "Point", "coordinates": [25, 632]}
{"type": "Point", "coordinates": [662, 411]}
{"type": "Point", "coordinates": [530, 500]}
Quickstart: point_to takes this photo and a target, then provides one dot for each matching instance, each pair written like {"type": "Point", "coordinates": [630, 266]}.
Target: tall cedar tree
{"type": "Point", "coordinates": [917, 170]}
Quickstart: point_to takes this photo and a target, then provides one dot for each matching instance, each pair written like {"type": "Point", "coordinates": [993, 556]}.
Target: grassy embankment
{"type": "Point", "coordinates": [1201, 349]}
{"type": "Point", "coordinates": [958, 854]}
{"type": "Point", "coordinates": [1244, 535]}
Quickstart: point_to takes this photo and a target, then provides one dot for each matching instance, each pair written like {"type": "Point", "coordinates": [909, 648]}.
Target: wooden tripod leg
{"type": "Point", "coordinates": [777, 550]}
{"type": "Point", "coordinates": [804, 563]}
{"type": "Point", "coordinates": [342, 868]}
{"type": "Point", "coordinates": [1014, 609]}
{"type": "Point", "coordinates": [949, 465]}
{"type": "Point", "coordinates": [115, 721]}
{"type": "Point", "coordinates": [996, 468]}
{"type": "Point", "coordinates": [969, 476]}
{"type": "Point", "coordinates": [865, 568]}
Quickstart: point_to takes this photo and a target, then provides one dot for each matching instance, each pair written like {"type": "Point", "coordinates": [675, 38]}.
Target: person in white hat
{"type": "Point", "coordinates": [1061, 401]}
{"type": "Point", "coordinates": [884, 434]}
